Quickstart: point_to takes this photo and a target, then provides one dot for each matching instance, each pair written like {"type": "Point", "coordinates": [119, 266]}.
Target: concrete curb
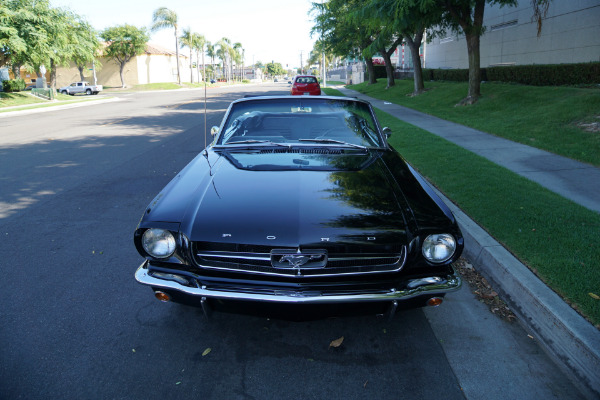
{"type": "Point", "coordinates": [570, 340]}
{"type": "Point", "coordinates": [57, 107]}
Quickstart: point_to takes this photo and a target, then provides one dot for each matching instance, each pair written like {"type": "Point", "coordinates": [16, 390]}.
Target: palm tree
{"type": "Point", "coordinates": [238, 50]}
{"type": "Point", "coordinates": [187, 40]}
{"type": "Point", "coordinates": [210, 51]}
{"type": "Point", "coordinates": [199, 42]}
{"type": "Point", "coordinates": [224, 53]}
{"type": "Point", "coordinates": [165, 18]}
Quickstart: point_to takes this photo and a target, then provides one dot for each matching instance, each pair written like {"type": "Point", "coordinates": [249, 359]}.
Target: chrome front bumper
{"type": "Point", "coordinates": [434, 285]}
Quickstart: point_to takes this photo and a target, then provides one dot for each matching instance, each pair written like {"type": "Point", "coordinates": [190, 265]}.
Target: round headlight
{"type": "Point", "coordinates": [438, 248]}
{"type": "Point", "coordinates": [158, 243]}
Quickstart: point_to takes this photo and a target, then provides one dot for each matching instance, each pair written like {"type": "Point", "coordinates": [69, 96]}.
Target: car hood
{"type": "Point", "coordinates": [358, 204]}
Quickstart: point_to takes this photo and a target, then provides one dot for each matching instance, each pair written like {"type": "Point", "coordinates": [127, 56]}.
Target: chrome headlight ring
{"type": "Point", "coordinates": [159, 243]}
{"type": "Point", "coordinates": [439, 247]}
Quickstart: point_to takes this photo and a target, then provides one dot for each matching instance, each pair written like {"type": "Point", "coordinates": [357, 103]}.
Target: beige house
{"type": "Point", "coordinates": [155, 65]}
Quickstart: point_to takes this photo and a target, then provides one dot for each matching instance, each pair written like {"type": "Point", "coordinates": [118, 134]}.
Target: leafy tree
{"type": "Point", "coordinates": [343, 35]}
{"type": "Point", "coordinates": [62, 41]}
{"type": "Point", "coordinates": [465, 16]}
{"type": "Point", "coordinates": [404, 20]}
{"type": "Point", "coordinates": [12, 43]}
{"type": "Point", "coordinates": [33, 34]}
{"type": "Point", "coordinates": [124, 43]}
{"type": "Point", "coordinates": [24, 34]}
{"type": "Point", "coordinates": [274, 69]}
{"type": "Point", "coordinates": [165, 18]}
{"type": "Point", "coordinates": [87, 46]}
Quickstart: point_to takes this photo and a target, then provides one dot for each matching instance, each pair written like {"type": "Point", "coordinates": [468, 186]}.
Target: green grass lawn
{"type": "Point", "coordinates": [18, 99]}
{"type": "Point", "coordinates": [156, 86]}
{"type": "Point", "coordinates": [23, 100]}
{"type": "Point", "coordinates": [335, 83]}
{"type": "Point", "coordinates": [544, 117]}
{"type": "Point", "coordinates": [556, 238]}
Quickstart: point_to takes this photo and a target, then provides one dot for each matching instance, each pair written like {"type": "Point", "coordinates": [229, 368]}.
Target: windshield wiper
{"type": "Point", "coordinates": [333, 141]}
{"type": "Point", "coordinates": [255, 141]}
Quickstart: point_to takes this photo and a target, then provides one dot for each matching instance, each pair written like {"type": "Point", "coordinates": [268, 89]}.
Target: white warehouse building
{"type": "Point", "coordinates": [570, 34]}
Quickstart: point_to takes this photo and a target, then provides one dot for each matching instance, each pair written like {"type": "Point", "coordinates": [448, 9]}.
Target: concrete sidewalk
{"type": "Point", "coordinates": [572, 342]}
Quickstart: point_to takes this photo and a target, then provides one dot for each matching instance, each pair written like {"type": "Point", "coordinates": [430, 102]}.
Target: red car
{"type": "Point", "coordinates": [306, 84]}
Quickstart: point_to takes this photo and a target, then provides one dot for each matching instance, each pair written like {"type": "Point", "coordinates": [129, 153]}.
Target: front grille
{"type": "Point", "coordinates": [351, 260]}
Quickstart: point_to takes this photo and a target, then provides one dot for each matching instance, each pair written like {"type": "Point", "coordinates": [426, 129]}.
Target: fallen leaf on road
{"type": "Point", "coordinates": [205, 352]}
{"type": "Point", "coordinates": [365, 385]}
{"type": "Point", "coordinates": [336, 342]}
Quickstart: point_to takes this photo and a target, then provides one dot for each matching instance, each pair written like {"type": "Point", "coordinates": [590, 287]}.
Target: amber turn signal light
{"type": "Point", "coordinates": [434, 301]}
{"type": "Point", "coordinates": [162, 296]}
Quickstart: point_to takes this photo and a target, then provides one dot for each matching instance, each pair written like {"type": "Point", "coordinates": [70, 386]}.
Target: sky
{"type": "Point", "coordinates": [269, 30]}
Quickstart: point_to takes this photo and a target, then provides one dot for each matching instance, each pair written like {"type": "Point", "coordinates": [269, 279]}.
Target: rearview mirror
{"type": "Point", "coordinates": [387, 132]}
{"type": "Point", "coordinates": [214, 130]}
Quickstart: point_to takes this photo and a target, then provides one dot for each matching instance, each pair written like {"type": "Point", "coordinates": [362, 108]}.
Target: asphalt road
{"type": "Point", "coordinates": [74, 324]}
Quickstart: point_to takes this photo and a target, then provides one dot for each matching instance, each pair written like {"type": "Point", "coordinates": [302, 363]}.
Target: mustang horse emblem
{"type": "Point", "coordinates": [297, 260]}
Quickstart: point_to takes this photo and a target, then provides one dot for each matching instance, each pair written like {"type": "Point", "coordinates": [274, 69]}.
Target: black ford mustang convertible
{"type": "Point", "coordinates": [299, 203]}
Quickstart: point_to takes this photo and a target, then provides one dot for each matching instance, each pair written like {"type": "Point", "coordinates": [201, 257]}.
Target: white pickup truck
{"type": "Point", "coordinates": [80, 87]}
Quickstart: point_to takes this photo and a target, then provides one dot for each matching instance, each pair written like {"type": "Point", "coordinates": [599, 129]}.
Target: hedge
{"type": "Point", "coordinates": [13, 85]}
{"type": "Point", "coordinates": [547, 75]}
{"type": "Point", "coordinates": [536, 75]}
{"type": "Point", "coordinates": [379, 71]}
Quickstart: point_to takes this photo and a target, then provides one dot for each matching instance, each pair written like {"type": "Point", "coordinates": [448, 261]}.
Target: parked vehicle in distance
{"type": "Point", "coordinates": [80, 87]}
{"type": "Point", "coordinates": [299, 209]}
{"type": "Point", "coordinates": [305, 84]}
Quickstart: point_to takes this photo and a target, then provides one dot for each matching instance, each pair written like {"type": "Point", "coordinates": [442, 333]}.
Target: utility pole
{"type": "Point", "coordinates": [301, 65]}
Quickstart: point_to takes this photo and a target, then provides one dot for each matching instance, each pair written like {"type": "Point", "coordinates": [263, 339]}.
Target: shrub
{"type": "Point", "coordinates": [13, 85]}
{"type": "Point", "coordinates": [536, 75]}
{"type": "Point", "coordinates": [459, 75]}
{"type": "Point", "coordinates": [547, 75]}
{"type": "Point", "coordinates": [379, 71]}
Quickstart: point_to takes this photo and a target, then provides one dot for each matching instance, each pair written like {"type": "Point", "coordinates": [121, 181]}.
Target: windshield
{"type": "Point", "coordinates": [305, 121]}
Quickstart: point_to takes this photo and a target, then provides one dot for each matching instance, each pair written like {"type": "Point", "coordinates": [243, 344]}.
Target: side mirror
{"type": "Point", "coordinates": [214, 130]}
{"type": "Point", "coordinates": [387, 132]}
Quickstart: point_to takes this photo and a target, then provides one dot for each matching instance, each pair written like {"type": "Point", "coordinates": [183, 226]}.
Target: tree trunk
{"type": "Point", "coordinates": [122, 67]}
{"type": "Point", "coordinates": [474, 69]}
{"type": "Point", "coordinates": [191, 69]}
{"type": "Point", "coordinates": [389, 69]}
{"type": "Point", "coordinates": [177, 55]}
{"type": "Point", "coordinates": [414, 45]}
{"type": "Point", "coordinates": [198, 66]}
{"type": "Point", "coordinates": [81, 73]}
{"type": "Point", "coordinates": [16, 70]}
{"type": "Point", "coordinates": [52, 74]}
{"type": "Point", "coordinates": [371, 71]}
{"type": "Point", "coordinates": [470, 20]}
